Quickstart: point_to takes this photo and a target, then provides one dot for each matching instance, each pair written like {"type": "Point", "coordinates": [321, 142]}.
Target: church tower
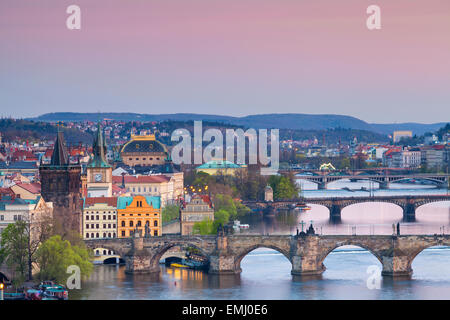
{"type": "Point", "coordinates": [60, 184]}
{"type": "Point", "coordinates": [99, 172]}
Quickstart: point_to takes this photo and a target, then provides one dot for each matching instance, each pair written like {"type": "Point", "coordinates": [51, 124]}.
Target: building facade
{"type": "Point", "coordinates": [143, 151]}
{"type": "Point", "coordinates": [142, 213]}
{"type": "Point", "coordinates": [198, 209]}
{"type": "Point", "coordinates": [100, 217]}
{"type": "Point", "coordinates": [168, 188]}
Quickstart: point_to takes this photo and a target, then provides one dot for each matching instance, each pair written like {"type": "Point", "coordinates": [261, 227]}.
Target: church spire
{"type": "Point", "coordinates": [99, 149]}
{"type": "Point", "coordinates": [60, 156]}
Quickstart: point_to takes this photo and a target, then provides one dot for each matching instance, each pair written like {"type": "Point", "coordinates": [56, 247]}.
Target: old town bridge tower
{"type": "Point", "coordinates": [60, 184]}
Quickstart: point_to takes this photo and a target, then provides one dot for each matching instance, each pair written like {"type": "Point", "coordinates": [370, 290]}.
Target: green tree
{"type": "Point", "coordinates": [204, 227]}
{"type": "Point", "coordinates": [170, 212]}
{"type": "Point", "coordinates": [226, 203]}
{"type": "Point", "coordinates": [14, 250]}
{"type": "Point", "coordinates": [284, 187]}
{"type": "Point", "coordinates": [56, 254]}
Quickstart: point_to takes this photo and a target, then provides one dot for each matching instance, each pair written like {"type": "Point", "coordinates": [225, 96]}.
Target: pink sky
{"type": "Point", "coordinates": [232, 57]}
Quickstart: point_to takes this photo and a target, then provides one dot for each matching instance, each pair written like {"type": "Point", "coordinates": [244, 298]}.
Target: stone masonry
{"type": "Point", "coordinates": [305, 252]}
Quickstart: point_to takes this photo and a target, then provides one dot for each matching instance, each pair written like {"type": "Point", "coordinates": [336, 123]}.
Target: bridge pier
{"type": "Point", "coordinates": [138, 260]}
{"type": "Point", "coordinates": [305, 257]}
{"type": "Point", "coordinates": [335, 213]}
{"type": "Point", "coordinates": [322, 186]}
{"type": "Point", "coordinates": [396, 266]}
{"type": "Point", "coordinates": [384, 185]}
{"type": "Point", "coordinates": [222, 261]}
{"type": "Point", "coordinates": [409, 212]}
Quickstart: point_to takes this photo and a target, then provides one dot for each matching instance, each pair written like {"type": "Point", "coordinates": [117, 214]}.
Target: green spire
{"type": "Point", "coordinates": [99, 149]}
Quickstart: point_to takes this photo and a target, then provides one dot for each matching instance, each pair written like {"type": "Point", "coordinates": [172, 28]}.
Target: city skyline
{"type": "Point", "coordinates": [228, 58]}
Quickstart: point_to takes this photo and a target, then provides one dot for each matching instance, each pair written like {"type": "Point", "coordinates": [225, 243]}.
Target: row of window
{"type": "Point", "coordinates": [16, 217]}
{"type": "Point", "coordinates": [139, 223]}
{"type": "Point", "coordinates": [144, 189]}
{"type": "Point", "coordinates": [104, 217]}
{"type": "Point", "coordinates": [104, 226]}
{"type": "Point", "coordinates": [144, 159]}
{"type": "Point", "coordinates": [130, 233]}
{"type": "Point", "coordinates": [109, 252]}
{"type": "Point", "coordinates": [101, 212]}
{"type": "Point", "coordinates": [97, 235]}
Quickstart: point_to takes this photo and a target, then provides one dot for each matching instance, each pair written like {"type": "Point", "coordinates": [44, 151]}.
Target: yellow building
{"type": "Point", "coordinates": [139, 212]}
{"type": "Point", "coordinates": [143, 151]}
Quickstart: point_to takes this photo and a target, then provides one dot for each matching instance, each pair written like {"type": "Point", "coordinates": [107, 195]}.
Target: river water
{"type": "Point", "coordinates": [352, 272]}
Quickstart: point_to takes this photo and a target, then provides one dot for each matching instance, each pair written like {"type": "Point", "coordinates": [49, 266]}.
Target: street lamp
{"type": "Point", "coordinates": [2, 286]}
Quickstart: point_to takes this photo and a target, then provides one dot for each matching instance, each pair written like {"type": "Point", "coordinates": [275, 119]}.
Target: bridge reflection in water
{"type": "Point", "coordinates": [266, 275]}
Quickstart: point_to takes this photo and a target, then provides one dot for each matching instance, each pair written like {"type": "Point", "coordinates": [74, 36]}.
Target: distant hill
{"type": "Point", "coordinates": [23, 130]}
{"type": "Point", "coordinates": [295, 121]}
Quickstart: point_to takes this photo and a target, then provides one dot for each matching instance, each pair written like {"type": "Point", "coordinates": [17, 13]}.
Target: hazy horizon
{"type": "Point", "coordinates": [227, 57]}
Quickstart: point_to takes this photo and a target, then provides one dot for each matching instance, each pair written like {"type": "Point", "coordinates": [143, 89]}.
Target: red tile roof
{"type": "Point", "coordinates": [110, 201]}
{"type": "Point", "coordinates": [141, 179]}
{"type": "Point", "coordinates": [32, 187]}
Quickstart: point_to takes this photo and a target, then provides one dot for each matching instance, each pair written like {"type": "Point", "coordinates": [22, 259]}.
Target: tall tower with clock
{"type": "Point", "coordinates": [99, 172]}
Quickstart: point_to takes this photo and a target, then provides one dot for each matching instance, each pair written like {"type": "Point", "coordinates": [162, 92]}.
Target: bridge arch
{"type": "Point", "coordinates": [424, 203]}
{"type": "Point", "coordinates": [378, 201]}
{"type": "Point", "coordinates": [325, 254]}
{"type": "Point", "coordinates": [241, 255]}
{"type": "Point", "coordinates": [114, 245]}
{"type": "Point", "coordinates": [156, 257]}
{"type": "Point", "coordinates": [435, 181]}
{"type": "Point", "coordinates": [415, 253]}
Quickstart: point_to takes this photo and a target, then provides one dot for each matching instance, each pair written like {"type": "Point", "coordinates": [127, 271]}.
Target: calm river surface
{"type": "Point", "coordinates": [266, 273]}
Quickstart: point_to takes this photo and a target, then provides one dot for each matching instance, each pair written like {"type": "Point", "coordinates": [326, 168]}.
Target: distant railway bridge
{"type": "Point", "coordinates": [383, 179]}
{"type": "Point", "coordinates": [409, 204]}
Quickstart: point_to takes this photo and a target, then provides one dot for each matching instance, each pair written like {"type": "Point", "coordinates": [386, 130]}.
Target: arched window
{"type": "Point", "coordinates": [123, 223]}
{"type": "Point", "coordinates": [104, 252]}
{"type": "Point", "coordinates": [155, 223]}
{"type": "Point", "coordinates": [87, 235]}
{"type": "Point", "coordinates": [131, 223]}
{"type": "Point", "coordinates": [139, 223]}
{"type": "Point", "coordinates": [92, 235]}
{"type": "Point", "coordinates": [104, 234]}
{"type": "Point", "coordinates": [97, 235]}
{"type": "Point", "coordinates": [109, 234]}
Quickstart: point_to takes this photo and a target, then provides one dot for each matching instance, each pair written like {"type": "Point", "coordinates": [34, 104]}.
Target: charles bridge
{"type": "Point", "coordinates": [409, 204]}
{"type": "Point", "coordinates": [306, 252]}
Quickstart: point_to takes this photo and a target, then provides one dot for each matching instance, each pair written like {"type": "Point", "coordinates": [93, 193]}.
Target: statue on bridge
{"type": "Point", "coordinates": [147, 230]}
{"type": "Point", "coordinates": [310, 230]}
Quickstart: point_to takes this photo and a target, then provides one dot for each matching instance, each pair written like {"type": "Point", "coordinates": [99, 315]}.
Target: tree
{"type": "Point", "coordinates": [20, 242]}
{"type": "Point", "coordinates": [56, 254]}
{"type": "Point", "coordinates": [284, 187]}
{"type": "Point", "coordinates": [204, 227]}
{"type": "Point", "coordinates": [226, 203]}
{"type": "Point", "coordinates": [14, 250]}
{"type": "Point", "coordinates": [170, 212]}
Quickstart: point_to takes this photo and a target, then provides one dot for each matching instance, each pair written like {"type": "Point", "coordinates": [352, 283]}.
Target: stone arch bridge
{"type": "Point", "coordinates": [305, 252]}
{"type": "Point", "coordinates": [384, 180]}
{"type": "Point", "coordinates": [409, 204]}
